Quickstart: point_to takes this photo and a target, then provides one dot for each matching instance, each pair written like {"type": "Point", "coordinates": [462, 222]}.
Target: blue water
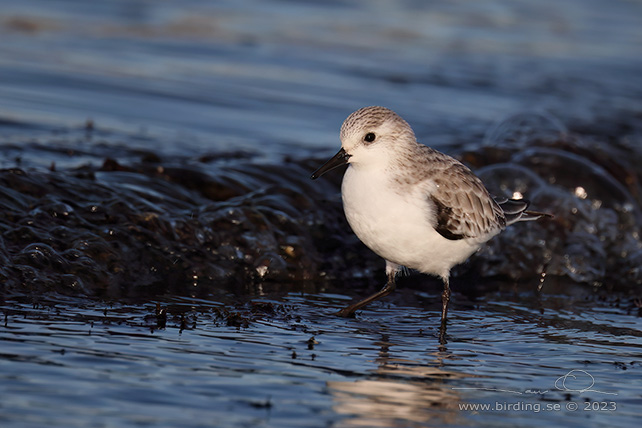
{"type": "Point", "coordinates": [280, 75]}
{"type": "Point", "coordinates": [79, 363]}
{"type": "Point", "coordinates": [277, 78]}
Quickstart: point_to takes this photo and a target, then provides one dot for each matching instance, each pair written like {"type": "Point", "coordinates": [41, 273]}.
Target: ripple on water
{"type": "Point", "coordinates": [189, 188]}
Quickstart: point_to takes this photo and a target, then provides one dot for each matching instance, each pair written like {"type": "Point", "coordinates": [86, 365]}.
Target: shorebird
{"type": "Point", "coordinates": [413, 205]}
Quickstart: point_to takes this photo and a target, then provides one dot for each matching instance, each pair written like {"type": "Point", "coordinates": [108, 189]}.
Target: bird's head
{"type": "Point", "coordinates": [370, 137]}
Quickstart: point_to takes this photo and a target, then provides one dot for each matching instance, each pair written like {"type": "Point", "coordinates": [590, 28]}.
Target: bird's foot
{"type": "Point", "coordinates": [346, 312]}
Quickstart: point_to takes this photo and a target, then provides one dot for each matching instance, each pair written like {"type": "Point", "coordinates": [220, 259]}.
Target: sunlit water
{"type": "Point", "coordinates": [291, 363]}
{"type": "Point", "coordinates": [273, 80]}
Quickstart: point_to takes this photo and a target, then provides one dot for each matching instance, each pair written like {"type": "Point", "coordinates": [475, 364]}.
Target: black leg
{"type": "Point", "coordinates": [445, 298]}
{"type": "Point", "coordinates": [387, 289]}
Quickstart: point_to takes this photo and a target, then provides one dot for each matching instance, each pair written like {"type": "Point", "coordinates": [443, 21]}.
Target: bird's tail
{"type": "Point", "coordinates": [515, 210]}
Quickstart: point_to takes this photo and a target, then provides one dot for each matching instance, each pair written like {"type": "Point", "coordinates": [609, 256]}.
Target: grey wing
{"type": "Point", "coordinates": [463, 206]}
{"type": "Point", "coordinates": [515, 210]}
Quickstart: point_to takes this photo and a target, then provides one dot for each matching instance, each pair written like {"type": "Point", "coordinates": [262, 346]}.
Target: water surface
{"type": "Point", "coordinates": [167, 262]}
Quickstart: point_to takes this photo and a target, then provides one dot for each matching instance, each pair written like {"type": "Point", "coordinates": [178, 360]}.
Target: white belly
{"type": "Point", "coordinates": [399, 227]}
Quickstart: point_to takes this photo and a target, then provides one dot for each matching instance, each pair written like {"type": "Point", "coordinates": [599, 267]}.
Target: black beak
{"type": "Point", "coordinates": [341, 158]}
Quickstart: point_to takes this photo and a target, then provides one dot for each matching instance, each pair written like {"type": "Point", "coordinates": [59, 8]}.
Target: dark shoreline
{"type": "Point", "coordinates": [139, 223]}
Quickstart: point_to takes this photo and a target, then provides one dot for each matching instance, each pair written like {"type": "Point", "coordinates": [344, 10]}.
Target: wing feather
{"type": "Point", "coordinates": [463, 206]}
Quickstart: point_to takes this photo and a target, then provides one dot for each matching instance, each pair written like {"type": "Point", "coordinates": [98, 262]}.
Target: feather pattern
{"type": "Point", "coordinates": [461, 205]}
{"type": "Point", "coordinates": [413, 205]}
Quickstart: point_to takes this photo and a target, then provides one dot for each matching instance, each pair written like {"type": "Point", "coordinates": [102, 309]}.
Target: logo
{"type": "Point", "coordinates": [576, 380]}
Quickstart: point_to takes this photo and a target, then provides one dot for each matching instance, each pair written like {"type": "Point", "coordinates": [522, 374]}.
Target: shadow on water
{"type": "Point", "coordinates": [169, 262]}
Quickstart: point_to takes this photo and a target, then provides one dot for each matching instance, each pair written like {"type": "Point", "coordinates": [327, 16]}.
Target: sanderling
{"type": "Point", "coordinates": [412, 205]}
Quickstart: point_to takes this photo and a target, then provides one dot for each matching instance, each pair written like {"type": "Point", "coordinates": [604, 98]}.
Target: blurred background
{"type": "Point", "coordinates": [278, 76]}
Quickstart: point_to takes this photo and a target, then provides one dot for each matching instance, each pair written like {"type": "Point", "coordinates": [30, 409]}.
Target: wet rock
{"type": "Point", "coordinates": [591, 187]}
{"type": "Point", "coordinates": [132, 230]}
{"type": "Point", "coordinates": [141, 226]}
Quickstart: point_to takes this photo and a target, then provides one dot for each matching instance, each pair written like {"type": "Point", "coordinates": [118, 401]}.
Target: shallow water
{"type": "Point", "coordinates": [289, 362]}
{"type": "Point", "coordinates": [166, 261]}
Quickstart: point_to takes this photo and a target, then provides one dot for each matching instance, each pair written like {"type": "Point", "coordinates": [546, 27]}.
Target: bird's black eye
{"type": "Point", "coordinates": [370, 137]}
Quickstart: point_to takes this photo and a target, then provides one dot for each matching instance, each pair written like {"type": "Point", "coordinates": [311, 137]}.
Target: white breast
{"type": "Point", "coordinates": [399, 226]}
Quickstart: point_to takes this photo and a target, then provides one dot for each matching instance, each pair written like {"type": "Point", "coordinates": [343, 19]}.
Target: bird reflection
{"type": "Point", "coordinates": [399, 390]}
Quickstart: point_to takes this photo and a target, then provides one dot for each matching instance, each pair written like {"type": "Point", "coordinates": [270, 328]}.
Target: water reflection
{"type": "Point", "coordinates": [291, 363]}
{"type": "Point", "coordinates": [399, 391]}
{"type": "Point", "coordinates": [170, 86]}
{"type": "Point", "coordinates": [378, 403]}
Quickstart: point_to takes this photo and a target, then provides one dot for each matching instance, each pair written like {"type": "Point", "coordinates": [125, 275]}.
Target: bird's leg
{"type": "Point", "coordinates": [391, 272]}
{"type": "Point", "coordinates": [445, 298]}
